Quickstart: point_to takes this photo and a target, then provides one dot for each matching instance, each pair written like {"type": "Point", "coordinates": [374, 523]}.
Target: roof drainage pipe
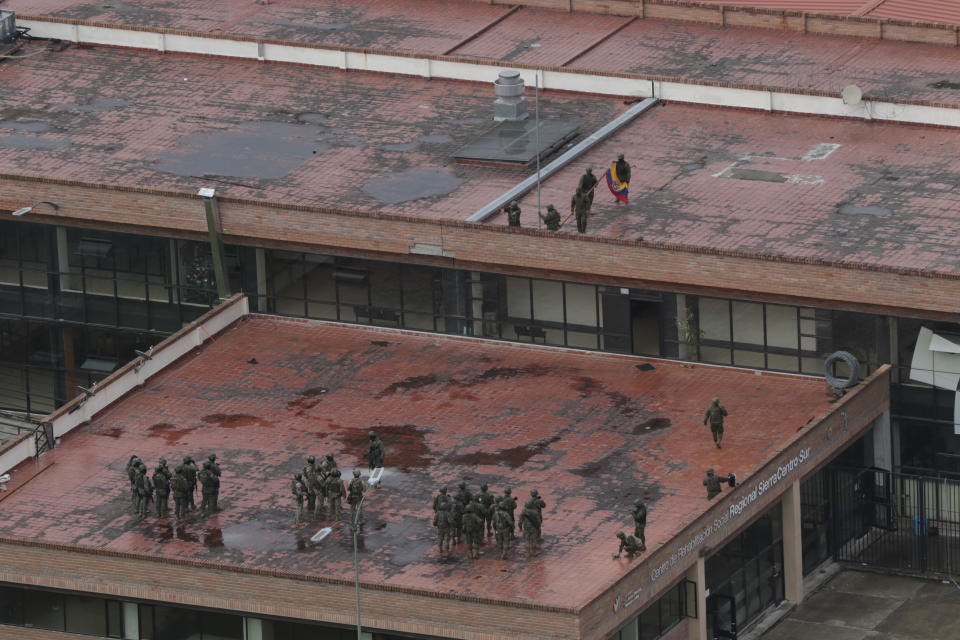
{"type": "Point", "coordinates": [584, 145]}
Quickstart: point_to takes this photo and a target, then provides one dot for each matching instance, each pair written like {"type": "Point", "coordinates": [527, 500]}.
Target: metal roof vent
{"type": "Point", "coordinates": [510, 103]}
{"type": "Point", "coordinates": [8, 26]}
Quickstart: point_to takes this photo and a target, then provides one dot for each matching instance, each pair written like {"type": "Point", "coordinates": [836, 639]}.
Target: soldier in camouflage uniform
{"type": "Point", "coordinates": [132, 465]}
{"type": "Point", "coordinates": [180, 487]}
{"type": "Point", "coordinates": [334, 491]}
{"type": "Point", "coordinates": [441, 498]}
{"type": "Point", "coordinates": [513, 214]}
{"type": "Point", "coordinates": [552, 219]}
{"type": "Point", "coordinates": [144, 490]}
{"type": "Point", "coordinates": [456, 516]}
{"type": "Point", "coordinates": [712, 483]}
{"type": "Point", "coordinates": [161, 487]}
{"type": "Point", "coordinates": [629, 544]}
{"type": "Point", "coordinates": [190, 473]}
{"type": "Point", "coordinates": [715, 414]}
{"type": "Point", "coordinates": [464, 497]}
{"type": "Point", "coordinates": [485, 502]}
{"type": "Point", "coordinates": [530, 524]}
{"type": "Point", "coordinates": [354, 496]}
{"type": "Point", "coordinates": [209, 487]}
{"type": "Point", "coordinates": [510, 505]}
{"type": "Point", "coordinates": [299, 493]}
{"type": "Point", "coordinates": [309, 479]}
{"type": "Point", "coordinates": [473, 529]}
{"type": "Point", "coordinates": [444, 524]}
{"type": "Point", "coordinates": [503, 526]}
{"type": "Point", "coordinates": [539, 504]}
{"type": "Point", "coordinates": [214, 467]}
{"type": "Point", "coordinates": [640, 523]}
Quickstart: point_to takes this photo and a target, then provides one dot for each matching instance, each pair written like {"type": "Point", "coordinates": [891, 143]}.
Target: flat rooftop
{"type": "Point", "coordinates": [590, 431]}
{"type": "Point", "coordinates": [608, 44]}
{"type": "Point", "coordinates": [772, 184]}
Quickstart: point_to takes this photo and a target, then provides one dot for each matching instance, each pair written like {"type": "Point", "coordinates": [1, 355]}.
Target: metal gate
{"type": "Point", "coordinates": [896, 520]}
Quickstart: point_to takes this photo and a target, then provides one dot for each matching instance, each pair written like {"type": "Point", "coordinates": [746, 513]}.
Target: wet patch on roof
{"type": "Point", "coordinates": [33, 142]}
{"type": "Point", "coordinates": [32, 127]}
{"type": "Point", "coordinates": [756, 174]}
{"type": "Point", "coordinates": [99, 105]}
{"type": "Point", "coordinates": [251, 150]}
{"type": "Point", "coordinates": [870, 210]}
{"type": "Point", "coordinates": [413, 184]}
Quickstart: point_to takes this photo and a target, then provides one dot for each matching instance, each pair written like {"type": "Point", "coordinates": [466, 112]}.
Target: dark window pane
{"type": "Point", "coordinates": [114, 619]}
{"type": "Point", "coordinates": [171, 623]}
{"type": "Point", "coordinates": [86, 615]}
{"type": "Point", "coordinates": [222, 626]}
{"type": "Point", "coordinates": [146, 621]}
{"type": "Point", "coordinates": [43, 610]}
{"type": "Point", "coordinates": [11, 605]}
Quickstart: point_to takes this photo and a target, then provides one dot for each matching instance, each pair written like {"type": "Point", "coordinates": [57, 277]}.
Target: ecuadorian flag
{"type": "Point", "coordinates": [617, 187]}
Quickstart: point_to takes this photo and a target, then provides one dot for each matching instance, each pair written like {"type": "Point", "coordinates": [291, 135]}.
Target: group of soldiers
{"type": "Point", "coordinates": [182, 483]}
{"type": "Point", "coordinates": [470, 516]}
{"type": "Point", "coordinates": [580, 203]}
{"type": "Point", "coordinates": [321, 482]}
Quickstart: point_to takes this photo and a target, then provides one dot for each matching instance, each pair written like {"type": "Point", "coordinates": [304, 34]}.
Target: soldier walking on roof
{"type": "Point", "coordinates": [444, 524]}
{"type": "Point", "coordinates": [510, 505]}
{"type": "Point", "coordinates": [715, 414]}
{"type": "Point", "coordinates": [530, 524]}
{"type": "Point", "coordinates": [161, 487]}
{"type": "Point", "coordinates": [485, 501]}
{"type": "Point", "coordinates": [580, 207]}
{"type": "Point", "coordinates": [464, 497]}
{"type": "Point", "coordinates": [132, 464]}
{"type": "Point", "coordinates": [208, 488]}
{"type": "Point", "coordinates": [473, 529]}
{"type": "Point", "coordinates": [503, 526]}
{"type": "Point", "coordinates": [441, 499]}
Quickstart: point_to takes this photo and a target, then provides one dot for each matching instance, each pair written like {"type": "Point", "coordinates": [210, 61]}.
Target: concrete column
{"type": "Point", "coordinates": [792, 544]}
{"type": "Point", "coordinates": [63, 259]}
{"type": "Point", "coordinates": [882, 442]}
{"type": "Point", "coordinates": [698, 575]}
{"type": "Point", "coordinates": [261, 279]}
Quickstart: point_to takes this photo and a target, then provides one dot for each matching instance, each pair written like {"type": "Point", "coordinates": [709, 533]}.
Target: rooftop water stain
{"type": "Point", "coordinates": [234, 420]}
{"type": "Point", "coordinates": [250, 150]}
{"type": "Point", "coordinates": [99, 105]}
{"type": "Point", "coordinates": [413, 382]}
{"type": "Point", "coordinates": [406, 444]}
{"type": "Point", "coordinates": [213, 538]}
{"type": "Point", "coordinates": [32, 142]}
{"type": "Point", "coordinates": [513, 457]}
{"type": "Point", "coordinates": [170, 432]}
{"type": "Point", "coordinates": [412, 184]}
{"type": "Point", "coordinates": [33, 127]}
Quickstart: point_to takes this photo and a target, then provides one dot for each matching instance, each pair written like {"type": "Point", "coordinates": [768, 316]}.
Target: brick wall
{"type": "Point", "coordinates": [202, 584]}
{"type": "Point", "coordinates": [755, 17]}
{"type": "Point", "coordinates": [496, 248]}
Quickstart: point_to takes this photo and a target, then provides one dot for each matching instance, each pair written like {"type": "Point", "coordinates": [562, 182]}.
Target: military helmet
{"type": "Point", "coordinates": [535, 493]}
{"type": "Point", "coordinates": [484, 487]}
{"type": "Point", "coordinates": [311, 459]}
{"type": "Point", "coordinates": [443, 489]}
{"type": "Point", "coordinates": [212, 457]}
{"type": "Point", "coordinates": [589, 169]}
{"type": "Point", "coordinates": [710, 471]}
{"type": "Point", "coordinates": [372, 435]}
{"type": "Point", "coordinates": [298, 475]}
{"type": "Point", "coordinates": [462, 485]}
{"type": "Point", "coordinates": [329, 456]}
{"type": "Point", "coordinates": [621, 534]}
{"type": "Point", "coordinates": [716, 401]}
{"type": "Point", "coordinates": [620, 157]}
{"type": "Point", "coordinates": [178, 469]}
{"type": "Point", "coordinates": [507, 491]}
{"type": "Point", "coordinates": [356, 473]}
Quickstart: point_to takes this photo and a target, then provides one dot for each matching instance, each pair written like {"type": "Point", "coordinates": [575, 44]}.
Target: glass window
{"type": "Point", "coordinates": [518, 298]}
{"type": "Point", "coordinates": [748, 323]}
{"type": "Point", "coordinates": [581, 301]}
{"type": "Point", "coordinates": [43, 610]}
{"type": "Point", "coordinates": [11, 605]}
{"type": "Point", "coordinates": [714, 317]}
{"type": "Point", "coordinates": [782, 326]}
{"type": "Point", "coordinates": [173, 623]}
{"type": "Point", "coordinates": [222, 626]}
{"type": "Point", "coordinates": [114, 619]}
{"type": "Point", "coordinates": [86, 615]}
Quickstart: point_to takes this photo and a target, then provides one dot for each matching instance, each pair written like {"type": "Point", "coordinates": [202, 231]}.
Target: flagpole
{"type": "Point", "coordinates": [536, 110]}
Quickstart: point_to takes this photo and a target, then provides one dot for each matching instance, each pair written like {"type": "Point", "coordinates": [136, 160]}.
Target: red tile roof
{"type": "Point", "coordinates": [590, 431]}
{"type": "Point", "coordinates": [920, 10]}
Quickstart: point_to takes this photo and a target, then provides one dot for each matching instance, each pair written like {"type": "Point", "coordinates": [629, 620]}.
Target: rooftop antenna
{"type": "Point", "coordinates": [536, 111]}
{"type": "Point", "coordinates": [852, 95]}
